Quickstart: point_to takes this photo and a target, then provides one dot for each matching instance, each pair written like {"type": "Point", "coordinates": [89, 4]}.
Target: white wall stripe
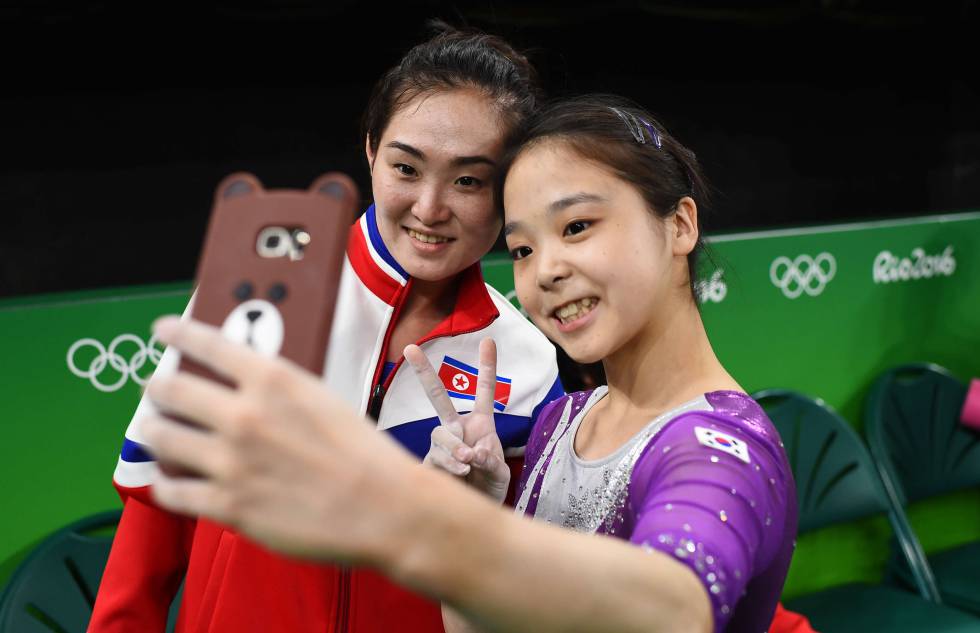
{"type": "Point", "coordinates": [843, 228]}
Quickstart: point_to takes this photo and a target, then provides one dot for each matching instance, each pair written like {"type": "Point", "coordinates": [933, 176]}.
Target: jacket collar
{"type": "Point", "coordinates": [384, 277]}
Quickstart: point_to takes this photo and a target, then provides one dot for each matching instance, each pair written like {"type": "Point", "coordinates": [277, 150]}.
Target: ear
{"type": "Point", "coordinates": [237, 184]}
{"type": "Point", "coordinates": [371, 155]}
{"type": "Point", "coordinates": [337, 186]}
{"type": "Point", "coordinates": [684, 225]}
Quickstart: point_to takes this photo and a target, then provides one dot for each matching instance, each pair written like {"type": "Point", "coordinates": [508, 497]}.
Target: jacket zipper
{"type": "Point", "coordinates": [343, 596]}
{"type": "Point", "coordinates": [379, 388]}
{"type": "Point", "coordinates": [374, 410]}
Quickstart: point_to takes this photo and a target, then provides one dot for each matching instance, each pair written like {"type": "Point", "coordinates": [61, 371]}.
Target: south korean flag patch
{"type": "Point", "coordinates": [723, 442]}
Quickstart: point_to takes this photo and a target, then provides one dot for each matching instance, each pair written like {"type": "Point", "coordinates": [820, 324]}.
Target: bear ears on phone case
{"type": "Point", "coordinates": [333, 185]}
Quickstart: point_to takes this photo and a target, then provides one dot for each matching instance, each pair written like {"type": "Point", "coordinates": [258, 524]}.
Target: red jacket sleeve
{"type": "Point", "coordinates": [145, 567]}
{"type": "Point", "coordinates": [785, 621]}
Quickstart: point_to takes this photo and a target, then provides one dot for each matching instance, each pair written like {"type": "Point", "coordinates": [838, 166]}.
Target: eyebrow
{"type": "Point", "coordinates": [569, 201]}
{"type": "Point", "coordinates": [560, 205]}
{"type": "Point", "coordinates": [459, 161]}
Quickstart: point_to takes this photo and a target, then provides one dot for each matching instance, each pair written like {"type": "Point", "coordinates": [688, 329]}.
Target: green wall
{"type": "Point", "coordinates": [774, 319]}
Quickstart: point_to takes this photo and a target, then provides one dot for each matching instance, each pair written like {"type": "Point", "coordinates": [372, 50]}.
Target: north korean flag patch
{"type": "Point", "coordinates": [723, 442]}
{"type": "Point", "coordinates": [460, 382]}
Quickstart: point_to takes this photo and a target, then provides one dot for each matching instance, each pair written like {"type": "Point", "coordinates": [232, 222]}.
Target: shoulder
{"type": "Point", "coordinates": [732, 414]}
{"type": "Point", "coordinates": [734, 431]}
{"type": "Point", "coordinates": [552, 415]}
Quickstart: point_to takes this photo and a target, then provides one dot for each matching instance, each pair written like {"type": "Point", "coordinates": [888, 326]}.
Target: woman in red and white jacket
{"type": "Point", "coordinates": [435, 128]}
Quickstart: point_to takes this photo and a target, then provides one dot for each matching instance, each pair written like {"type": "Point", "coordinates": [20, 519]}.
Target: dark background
{"type": "Point", "coordinates": [117, 121]}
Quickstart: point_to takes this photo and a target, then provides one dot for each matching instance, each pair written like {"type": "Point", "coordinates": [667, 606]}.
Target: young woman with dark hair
{"type": "Point", "coordinates": [661, 502]}
{"type": "Point", "coordinates": [435, 130]}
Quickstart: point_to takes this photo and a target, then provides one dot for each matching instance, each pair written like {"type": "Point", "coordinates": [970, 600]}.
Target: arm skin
{"type": "Point", "coordinates": [507, 573]}
{"type": "Point", "coordinates": [321, 483]}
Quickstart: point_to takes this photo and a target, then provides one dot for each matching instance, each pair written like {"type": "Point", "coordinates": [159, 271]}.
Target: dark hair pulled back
{"type": "Point", "coordinates": [451, 59]}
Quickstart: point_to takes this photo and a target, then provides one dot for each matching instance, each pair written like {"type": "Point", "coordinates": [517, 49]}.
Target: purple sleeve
{"type": "Point", "coordinates": [729, 520]}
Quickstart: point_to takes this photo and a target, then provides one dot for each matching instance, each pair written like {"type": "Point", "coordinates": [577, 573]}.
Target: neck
{"type": "Point", "coordinates": [432, 297]}
{"type": "Point", "coordinates": [669, 362]}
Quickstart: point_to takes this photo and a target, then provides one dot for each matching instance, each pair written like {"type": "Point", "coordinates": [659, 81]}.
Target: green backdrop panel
{"type": "Point", "coordinates": [820, 310]}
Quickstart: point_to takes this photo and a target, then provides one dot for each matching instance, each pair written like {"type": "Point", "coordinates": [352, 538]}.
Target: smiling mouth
{"type": "Point", "coordinates": [574, 310]}
{"type": "Point", "coordinates": [428, 238]}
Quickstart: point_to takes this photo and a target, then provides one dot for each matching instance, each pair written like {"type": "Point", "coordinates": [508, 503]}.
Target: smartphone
{"type": "Point", "coordinates": [270, 268]}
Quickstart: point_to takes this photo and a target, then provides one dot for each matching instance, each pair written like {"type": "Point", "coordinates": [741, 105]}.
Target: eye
{"type": "Point", "coordinates": [277, 293]}
{"type": "Point", "coordinates": [520, 252]}
{"type": "Point", "coordinates": [572, 228]}
{"type": "Point", "coordinates": [468, 181]}
{"type": "Point", "coordinates": [405, 170]}
{"type": "Point", "coordinates": [243, 291]}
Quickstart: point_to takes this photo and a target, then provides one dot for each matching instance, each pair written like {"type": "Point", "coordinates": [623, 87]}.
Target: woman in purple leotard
{"type": "Point", "coordinates": [681, 470]}
{"type": "Point", "coordinates": [672, 456]}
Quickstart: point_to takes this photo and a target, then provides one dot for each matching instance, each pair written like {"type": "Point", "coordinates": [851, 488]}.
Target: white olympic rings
{"type": "Point", "coordinates": [803, 274]}
{"type": "Point", "coordinates": [110, 357]}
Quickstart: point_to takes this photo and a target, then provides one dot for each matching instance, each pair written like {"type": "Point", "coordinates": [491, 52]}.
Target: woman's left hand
{"type": "Point", "coordinates": [280, 458]}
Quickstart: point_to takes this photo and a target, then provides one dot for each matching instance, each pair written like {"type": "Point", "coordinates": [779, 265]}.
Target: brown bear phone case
{"type": "Point", "coordinates": [271, 265]}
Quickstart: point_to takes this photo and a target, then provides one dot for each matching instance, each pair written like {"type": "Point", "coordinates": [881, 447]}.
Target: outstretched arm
{"type": "Point", "coordinates": [320, 483]}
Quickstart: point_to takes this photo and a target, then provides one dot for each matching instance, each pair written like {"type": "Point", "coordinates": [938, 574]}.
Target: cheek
{"type": "Point", "coordinates": [390, 194]}
{"type": "Point", "coordinates": [480, 221]}
{"type": "Point", "coordinates": [388, 198]}
{"type": "Point", "coordinates": [526, 294]}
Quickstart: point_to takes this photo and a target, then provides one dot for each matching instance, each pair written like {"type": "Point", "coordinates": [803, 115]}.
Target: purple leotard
{"type": "Point", "coordinates": [707, 483]}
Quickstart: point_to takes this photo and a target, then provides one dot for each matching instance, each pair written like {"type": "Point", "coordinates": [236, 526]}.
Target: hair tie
{"type": "Point", "coordinates": [633, 124]}
{"type": "Point", "coordinates": [654, 134]}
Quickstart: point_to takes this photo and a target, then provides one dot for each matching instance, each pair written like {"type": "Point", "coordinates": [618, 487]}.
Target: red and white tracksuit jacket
{"type": "Point", "coordinates": [235, 585]}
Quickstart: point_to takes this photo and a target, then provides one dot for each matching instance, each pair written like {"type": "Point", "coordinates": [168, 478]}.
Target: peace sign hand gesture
{"type": "Point", "coordinates": [466, 445]}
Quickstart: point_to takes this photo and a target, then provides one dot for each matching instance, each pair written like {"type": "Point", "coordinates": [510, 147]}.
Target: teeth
{"type": "Point", "coordinates": [428, 239]}
{"type": "Point", "coordinates": [572, 311]}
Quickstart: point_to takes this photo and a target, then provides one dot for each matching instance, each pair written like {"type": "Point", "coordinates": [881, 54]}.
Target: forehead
{"type": "Point", "coordinates": [551, 171]}
{"type": "Point", "coordinates": [459, 122]}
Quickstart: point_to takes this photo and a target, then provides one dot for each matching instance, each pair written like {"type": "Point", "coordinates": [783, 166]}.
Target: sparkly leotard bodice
{"type": "Point", "coordinates": [707, 483]}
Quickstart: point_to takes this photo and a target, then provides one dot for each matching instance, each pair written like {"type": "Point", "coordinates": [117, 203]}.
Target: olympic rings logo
{"type": "Point", "coordinates": [803, 274]}
{"type": "Point", "coordinates": [110, 357]}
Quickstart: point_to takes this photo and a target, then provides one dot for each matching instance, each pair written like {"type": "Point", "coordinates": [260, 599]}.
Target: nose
{"type": "Point", "coordinates": [253, 315]}
{"type": "Point", "coordinates": [552, 267]}
{"type": "Point", "coordinates": [430, 208]}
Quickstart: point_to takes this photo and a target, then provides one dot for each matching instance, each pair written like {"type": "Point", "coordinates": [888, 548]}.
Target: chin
{"type": "Point", "coordinates": [586, 359]}
{"type": "Point", "coordinates": [430, 270]}
{"type": "Point", "coordinates": [583, 354]}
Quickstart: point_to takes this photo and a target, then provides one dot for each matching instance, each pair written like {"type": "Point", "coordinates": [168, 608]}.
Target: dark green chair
{"type": "Point", "coordinates": [53, 589]}
{"type": "Point", "coordinates": [921, 450]}
{"type": "Point", "coordinates": [836, 482]}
